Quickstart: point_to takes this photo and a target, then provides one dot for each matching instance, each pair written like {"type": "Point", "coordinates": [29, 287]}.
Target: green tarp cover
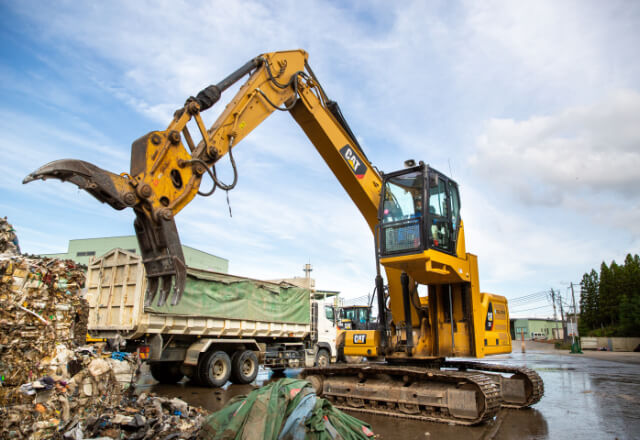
{"type": "Point", "coordinates": [266, 412]}
{"type": "Point", "coordinates": [217, 295]}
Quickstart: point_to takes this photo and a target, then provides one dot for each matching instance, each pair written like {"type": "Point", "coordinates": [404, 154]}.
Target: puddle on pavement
{"type": "Point", "coordinates": [584, 398]}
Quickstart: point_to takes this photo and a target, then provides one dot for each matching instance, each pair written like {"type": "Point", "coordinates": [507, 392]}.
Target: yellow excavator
{"type": "Point", "coordinates": [431, 308]}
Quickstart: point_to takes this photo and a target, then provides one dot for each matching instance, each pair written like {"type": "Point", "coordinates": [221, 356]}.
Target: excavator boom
{"type": "Point", "coordinates": [167, 167]}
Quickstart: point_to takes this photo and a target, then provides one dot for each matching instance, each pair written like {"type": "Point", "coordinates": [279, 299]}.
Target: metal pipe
{"type": "Point", "coordinates": [239, 73]}
{"type": "Point", "coordinates": [453, 343]}
{"type": "Point", "coordinates": [382, 307]}
{"type": "Point", "coordinates": [382, 311]}
{"type": "Point", "coordinates": [210, 95]}
{"type": "Point", "coordinates": [406, 299]}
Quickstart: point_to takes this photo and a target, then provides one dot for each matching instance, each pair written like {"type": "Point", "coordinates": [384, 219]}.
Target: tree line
{"type": "Point", "coordinates": [610, 300]}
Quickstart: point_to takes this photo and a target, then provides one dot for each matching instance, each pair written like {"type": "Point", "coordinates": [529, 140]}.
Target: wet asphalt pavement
{"type": "Point", "coordinates": [585, 398]}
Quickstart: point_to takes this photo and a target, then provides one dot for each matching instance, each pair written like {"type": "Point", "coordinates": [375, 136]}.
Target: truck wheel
{"type": "Point", "coordinates": [323, 358]}
{"type": "Point", "coordinates": [215, 369]}
{"type": "Point", "coordinates": [166, 372]}
{"type": "Point", "coordinates": [244, 367]}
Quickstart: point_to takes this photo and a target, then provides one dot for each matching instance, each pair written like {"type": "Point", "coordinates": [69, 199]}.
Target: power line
{"type": "Point", "coordinates": [525, 298]}
{"type": "Point", "coordinates": [533, 308]}
{"type": "Point", "coordinates": [532, 295]}
{"type": "Point", "coordinates": [531, 301]}
{"type": "Point", "coordinates": [356, 301]}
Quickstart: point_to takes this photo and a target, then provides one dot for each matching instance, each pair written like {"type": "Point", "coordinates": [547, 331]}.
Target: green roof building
{"type": "Point", "coordinates": [536, 328]}
{"type": "Point", "coordinates": [82, 250]}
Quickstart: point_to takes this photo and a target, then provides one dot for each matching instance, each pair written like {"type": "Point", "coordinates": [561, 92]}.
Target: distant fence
{"type": "Point", "coordinates": [611, 344]}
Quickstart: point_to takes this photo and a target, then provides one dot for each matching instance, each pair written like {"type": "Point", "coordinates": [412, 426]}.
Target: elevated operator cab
{"type": "Point", "coordinates": [419, 210]}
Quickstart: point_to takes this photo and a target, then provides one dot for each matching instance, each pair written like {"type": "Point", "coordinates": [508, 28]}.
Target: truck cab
{"type": "Point", "coordinates": [326, 328]}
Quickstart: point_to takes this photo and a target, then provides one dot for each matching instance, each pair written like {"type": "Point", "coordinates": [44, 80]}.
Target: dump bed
{"type": "Point", "coordinates": [213, 304]}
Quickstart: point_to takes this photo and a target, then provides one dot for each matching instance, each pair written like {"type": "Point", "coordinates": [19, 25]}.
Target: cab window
{"type": "Point", "coordinates": [439, 227]}
{"type": "Point", "coordinates": [328, 311]}
{"type": "Point", "coordinates": [455, 205]}
{"type": "Point", "coordinates": [349, 314]}
{"type": "Point", "coordinates": [402, 197]}
{"type": "Point", "coordinates": [437, 197]}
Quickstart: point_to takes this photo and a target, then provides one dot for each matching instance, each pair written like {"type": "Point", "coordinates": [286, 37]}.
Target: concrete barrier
{"type": "Point", "coordinates": [611, 344]}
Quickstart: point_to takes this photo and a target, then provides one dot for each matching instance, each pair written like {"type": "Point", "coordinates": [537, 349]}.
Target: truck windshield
{"type": "Point", "coordinates": [403, 197]}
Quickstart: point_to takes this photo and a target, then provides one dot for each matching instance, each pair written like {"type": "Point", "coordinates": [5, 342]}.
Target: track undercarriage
{"type": "Point", "coordinates": [464, 393]}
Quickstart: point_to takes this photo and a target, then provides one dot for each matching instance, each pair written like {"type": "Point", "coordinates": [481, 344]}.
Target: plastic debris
{"type": "Point", "coordinates": [284, 410]}
{"type": "Point", "coordinates": [95, 403]}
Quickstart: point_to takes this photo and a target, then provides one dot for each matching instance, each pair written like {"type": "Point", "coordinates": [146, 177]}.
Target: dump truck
{"type": "Point", "coordinates": [225, 327]}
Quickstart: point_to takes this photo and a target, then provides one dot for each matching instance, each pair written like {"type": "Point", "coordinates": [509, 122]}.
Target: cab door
{"type": "Point", "coordinates": [443, 212]}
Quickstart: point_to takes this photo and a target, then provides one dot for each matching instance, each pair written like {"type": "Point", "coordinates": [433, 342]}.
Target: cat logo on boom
{"type": "Point", "coordinates": [356, 164]}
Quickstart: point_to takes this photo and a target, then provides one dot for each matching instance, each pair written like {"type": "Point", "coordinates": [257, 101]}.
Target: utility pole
{"type": "Point", "coordinates": [575, 344]}
{"type": "Point", "coordinates": [555, 315]}
{"type": "Point", "coordinates": [565, 336]}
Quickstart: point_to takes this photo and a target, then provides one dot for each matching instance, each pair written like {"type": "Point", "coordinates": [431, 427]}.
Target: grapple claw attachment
{"type": "Point", "coordinates": [152, 291]}
{"type": "Point", "coordinates": [162, 258]}
{"type": "Point", "coordinates": [104, 185]}
{"type": "Point", "coordinates": [159, 241]}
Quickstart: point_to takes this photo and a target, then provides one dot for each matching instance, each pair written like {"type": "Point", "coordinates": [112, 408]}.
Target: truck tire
{"type": "Point", "coordinates": [166, 372]}
{"type": "Point", "coordinates": [215, 369]}
{"type": "Point", "coordinates": [244, 367]}
{"type": "Point", "coordinates": [323, 358]}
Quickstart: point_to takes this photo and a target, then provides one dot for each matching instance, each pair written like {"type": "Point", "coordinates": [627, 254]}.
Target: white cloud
{"type": "Point", "coordinates": [557, 192]}
{"type": "Point", "coordinates": [549, 159]}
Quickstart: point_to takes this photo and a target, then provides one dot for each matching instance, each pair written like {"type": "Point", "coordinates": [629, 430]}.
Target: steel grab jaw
{"type": "Point", "coordinates": [162, 258]}
{"type": "Point", "coordinates": [105, 186]}
{"type": "Point", "coordinates": [158, 238]}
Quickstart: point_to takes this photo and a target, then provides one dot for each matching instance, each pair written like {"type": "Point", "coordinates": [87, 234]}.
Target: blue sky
{"type": "Point", "coordinates": [532, 106]}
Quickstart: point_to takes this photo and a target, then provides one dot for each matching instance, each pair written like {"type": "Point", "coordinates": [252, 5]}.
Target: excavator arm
{"type": "Point", "coordinates": [167, 167]}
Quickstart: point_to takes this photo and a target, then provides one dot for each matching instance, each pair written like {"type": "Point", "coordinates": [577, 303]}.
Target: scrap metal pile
{"type": "Point", "coordinates": [96, 402]}
{"type": "Point", "coordinates": [41, 311]}
{"type": "Point", "coordinates": [51, 385]}
{"type": "Point", "coordinates": [8, 238]}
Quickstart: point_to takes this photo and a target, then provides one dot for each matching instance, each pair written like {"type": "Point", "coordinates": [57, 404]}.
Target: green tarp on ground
{"type": "Point", "coordinates": [217, 295]}
{"type": "Point", "coordinates": [284, 410]}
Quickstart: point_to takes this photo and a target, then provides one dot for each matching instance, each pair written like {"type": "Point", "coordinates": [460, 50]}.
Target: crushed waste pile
{"type": "Point", "coordinates": [54, 386]}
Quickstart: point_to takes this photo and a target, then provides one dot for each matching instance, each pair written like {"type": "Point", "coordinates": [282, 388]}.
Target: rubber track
{"type": "Point", "coordinates": [485, 384]}
{"type": "Point", "coordinates": [537, 385]}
